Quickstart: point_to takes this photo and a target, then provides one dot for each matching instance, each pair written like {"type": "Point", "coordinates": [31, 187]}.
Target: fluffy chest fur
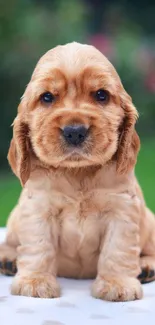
{"type": "Point", "coordinates": [80, 232]}
{"type": "Point", "coordinates": [78, 209]}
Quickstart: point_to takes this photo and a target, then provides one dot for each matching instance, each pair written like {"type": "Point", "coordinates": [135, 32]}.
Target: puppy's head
{"type": "Point", "coordinates": [74, 113]}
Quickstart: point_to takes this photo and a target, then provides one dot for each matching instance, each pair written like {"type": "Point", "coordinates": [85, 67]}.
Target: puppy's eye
{"type": "Point", "coordinates": [47, 98]}
{"type": "Point", "coordinates": [101, 95]}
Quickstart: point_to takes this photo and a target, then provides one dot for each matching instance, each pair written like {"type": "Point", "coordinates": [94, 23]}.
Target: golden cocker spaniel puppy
{"type": "Point", "coordinates": [81, 213]}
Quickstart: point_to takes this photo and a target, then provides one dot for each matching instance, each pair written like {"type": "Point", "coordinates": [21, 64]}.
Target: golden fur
{"type": "Point", "coordinates": [81, 213]}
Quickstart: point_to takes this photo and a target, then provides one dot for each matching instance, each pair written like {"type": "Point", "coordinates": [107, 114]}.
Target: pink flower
{"type": "Point", "coordinates": [102, 43]}
{"type": "Point", "coordinates": [150, 81]}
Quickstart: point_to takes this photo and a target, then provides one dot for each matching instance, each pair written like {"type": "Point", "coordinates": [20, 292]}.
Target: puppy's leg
{"type": "Point", "coordinates": [118, 264]}
{"type": "Point", "coordinates": [36, 262]}
{"type": "Point", "coordinates": [147, 260]}
{"type": "Point", "coordinates": [8, 249]}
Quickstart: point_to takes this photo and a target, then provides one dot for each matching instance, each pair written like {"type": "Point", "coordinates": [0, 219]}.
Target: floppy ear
{"type": "Point", "coordinates": [129, 142]}
{"type": "Point", "coordinates": [12, 156]}
{"type": "Point", "coordinates": [19, 151]}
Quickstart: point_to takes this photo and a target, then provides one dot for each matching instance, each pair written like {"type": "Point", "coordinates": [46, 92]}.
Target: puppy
{"type": "Point", "coordinates": [81, 213]}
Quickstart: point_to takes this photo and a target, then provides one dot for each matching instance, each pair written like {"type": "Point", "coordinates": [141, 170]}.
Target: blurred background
{"type": "Point", "coordinates": [124, 30]}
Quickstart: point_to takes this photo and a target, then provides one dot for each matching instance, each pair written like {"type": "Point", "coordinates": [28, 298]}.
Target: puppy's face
{"type": "Point", "coordinates": [74, 108]}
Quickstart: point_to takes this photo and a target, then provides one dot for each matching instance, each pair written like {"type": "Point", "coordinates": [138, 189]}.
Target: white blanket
{"type": "Point", "coordinates": [75, 307]}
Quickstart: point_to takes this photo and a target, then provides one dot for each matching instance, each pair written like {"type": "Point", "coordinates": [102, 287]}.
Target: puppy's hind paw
{"type": "Point", "coordinates": [8, 256]}
{"type": "Point", "coordinates": [8, 267]}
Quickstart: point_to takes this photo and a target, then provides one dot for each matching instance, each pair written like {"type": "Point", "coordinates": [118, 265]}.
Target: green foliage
{"type": "Point", "coordinates": [133, 59]}
{"type": "Point", "coordinates": [27, 30]}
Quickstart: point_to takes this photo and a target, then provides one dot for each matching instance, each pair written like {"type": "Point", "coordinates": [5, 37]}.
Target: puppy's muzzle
{"type": "Point", "coordinates": [75, 134]}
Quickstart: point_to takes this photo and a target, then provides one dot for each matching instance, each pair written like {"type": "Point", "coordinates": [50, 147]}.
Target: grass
{"type": "Point", "coordinates": [145, 171]}
{"type": "Point", "coordinates": [9, 192]}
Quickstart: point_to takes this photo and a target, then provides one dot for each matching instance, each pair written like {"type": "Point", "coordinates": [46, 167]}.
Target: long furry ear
{"type": "Point", "coordinates": [12, 157]}
{"type": "Point", "coordinates": [129, 142]}
{"type": "Point", "coordinates": [19, 151]}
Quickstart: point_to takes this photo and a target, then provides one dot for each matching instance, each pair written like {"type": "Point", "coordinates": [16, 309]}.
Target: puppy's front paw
{"type": "Point", "coordinates": [36, 286]}
{"type": "Point", "coordinates": [116, 289]}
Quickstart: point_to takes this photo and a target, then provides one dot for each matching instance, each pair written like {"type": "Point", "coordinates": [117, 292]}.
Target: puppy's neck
{"type": "Point", "coordinates": [79, 173]}
{"type": "Point", "coordinates": [104, 176]}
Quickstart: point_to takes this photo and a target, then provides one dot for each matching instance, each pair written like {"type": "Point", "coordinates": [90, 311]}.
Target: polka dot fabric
{"type": "Point", "coordinates": [75, 307]}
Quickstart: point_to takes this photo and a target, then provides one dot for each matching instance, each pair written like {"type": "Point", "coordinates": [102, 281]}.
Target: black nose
{"type": "Point", "coordinates": [75, 134]}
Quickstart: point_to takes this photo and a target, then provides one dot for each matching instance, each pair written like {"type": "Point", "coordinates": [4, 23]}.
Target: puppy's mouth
{"type": "Point", "coordinates": [75, 154]}
{"type": "Point", "coordinates": [76, 158]}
